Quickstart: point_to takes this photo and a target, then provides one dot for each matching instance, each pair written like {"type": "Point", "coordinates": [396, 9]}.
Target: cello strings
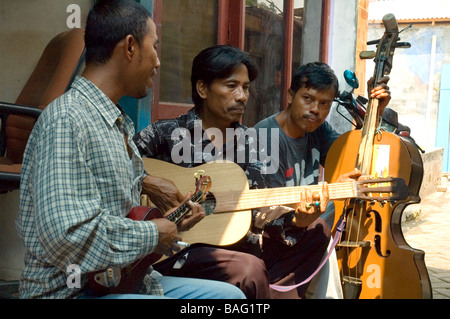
{"type": "Point", "coordinates": [361, 209]}
{"type": "Point", "coordinates": [349, 255]}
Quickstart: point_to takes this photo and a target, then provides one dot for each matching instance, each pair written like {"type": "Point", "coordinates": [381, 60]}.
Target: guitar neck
{"type": "Point", "coordinates": [256, 198]}
{"type": "Point", "coordinates": [177, 215]}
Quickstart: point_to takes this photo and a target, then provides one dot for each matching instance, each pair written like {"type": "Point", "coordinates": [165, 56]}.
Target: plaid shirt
{"type": "Point", "coordinates": [78, 184]}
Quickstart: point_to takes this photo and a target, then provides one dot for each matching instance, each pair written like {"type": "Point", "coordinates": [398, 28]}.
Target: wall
{"type": "Point", "coordinates": [342, 50]}
{"type": "Point", "coordinates": [432, 163]}
{"type": "Point", "coordinates": [311, 39]}
{"type": "Point", "coordinates": [26, 28]}
{"type": "Point", "coordinates": [415, 78]}
{"type": "Point", "coordinates": [361, 45]}
{"type": "Point", "coordinates": [443, 122]}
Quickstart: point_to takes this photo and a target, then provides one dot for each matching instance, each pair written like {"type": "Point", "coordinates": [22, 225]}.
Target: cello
{"type": "Point", "coordinates": [374, 259]}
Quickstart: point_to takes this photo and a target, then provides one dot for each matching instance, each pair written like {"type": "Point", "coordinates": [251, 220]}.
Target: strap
{"type": "Point", "coordinates": [339, 229]}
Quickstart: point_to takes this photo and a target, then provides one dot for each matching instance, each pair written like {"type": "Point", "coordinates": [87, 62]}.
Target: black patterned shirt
{"type": "Point", "coordinates": [182, 141]}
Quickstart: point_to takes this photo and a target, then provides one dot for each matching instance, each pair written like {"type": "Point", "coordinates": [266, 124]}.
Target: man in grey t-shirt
{"type": "Point", "coordinates": [298, 159]}
{"type": "Point", "coordinates": [294, 143]}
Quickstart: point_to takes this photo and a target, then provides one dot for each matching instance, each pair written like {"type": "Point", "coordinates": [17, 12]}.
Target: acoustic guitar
{"type": "Point", "coordinates": [230, 218]}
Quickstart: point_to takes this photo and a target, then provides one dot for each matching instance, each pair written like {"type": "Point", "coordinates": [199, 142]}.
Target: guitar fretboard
{"type": "Point", "coordinates": [256, 198]}
{"type": "Point", "coordinates": [177, 215]}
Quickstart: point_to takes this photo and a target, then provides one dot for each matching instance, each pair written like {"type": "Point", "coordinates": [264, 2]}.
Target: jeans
{"type": "Point", "coordinates": [188, 288]}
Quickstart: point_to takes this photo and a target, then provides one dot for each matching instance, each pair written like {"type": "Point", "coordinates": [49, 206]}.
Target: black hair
{"type": "Point", "coordinates": [316, 75]}
{"type": "Point", "coordinates": [109, 22]}
{"type": "Point", "coordinates": [218, 62]}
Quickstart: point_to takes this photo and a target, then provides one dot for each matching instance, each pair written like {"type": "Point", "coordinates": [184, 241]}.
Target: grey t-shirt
{"type": "Point", "coordinates": [292, 161]}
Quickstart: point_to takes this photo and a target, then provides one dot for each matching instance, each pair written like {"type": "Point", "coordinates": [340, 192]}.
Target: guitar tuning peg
{"type": "Point", "coordinates": [199, 174]}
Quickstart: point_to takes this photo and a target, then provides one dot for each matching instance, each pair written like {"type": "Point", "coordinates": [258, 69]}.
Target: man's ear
{"type": "Point", "coordinates": [129, 48]}
{"type": "Point", "coordinates": [202, 89]}
{"type": "Point", "coordinates": [290, 96]}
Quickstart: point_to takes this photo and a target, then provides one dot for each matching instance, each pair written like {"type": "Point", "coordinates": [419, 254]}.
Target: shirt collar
{"type": "Point", "coordinates": [109, 111]}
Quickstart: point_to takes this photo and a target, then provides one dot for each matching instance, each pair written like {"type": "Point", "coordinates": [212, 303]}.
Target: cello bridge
{"type": "Point", "coordinates": [354, 244]}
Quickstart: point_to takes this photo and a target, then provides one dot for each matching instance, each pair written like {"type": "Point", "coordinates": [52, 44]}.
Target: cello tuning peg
{"type": "Point", "coordinates": [373, 42]}
{"type": "Point", "coordinates": [365, 55]}
{"type": "Point", "coordinates": [403, 45]}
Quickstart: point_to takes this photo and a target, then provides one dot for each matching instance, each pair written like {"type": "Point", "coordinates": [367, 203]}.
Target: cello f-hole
{"type": "Point", "coordinates": [377, 241]}
{"type": "Point", "coordinates": [378, 223]}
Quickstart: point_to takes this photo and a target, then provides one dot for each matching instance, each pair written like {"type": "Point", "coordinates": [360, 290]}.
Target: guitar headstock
{"type": "Point", "coordinates": [388, 189]}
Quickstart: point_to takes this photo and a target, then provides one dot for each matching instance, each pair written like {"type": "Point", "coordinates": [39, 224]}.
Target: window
{"type": "Point", "coordinates": [266, 36]}
{"type": "Point", "coordinates": [271, 31]}
{"type": "Point", "coordinates": [185, 27]}
{"type": "Point", "coordinates": [188, 26]}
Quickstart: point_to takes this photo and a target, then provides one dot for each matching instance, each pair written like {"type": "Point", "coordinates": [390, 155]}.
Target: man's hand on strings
{"type": "Point", "coordinates": [311, 206]}
{"type": "Point", "coordinates": [195, 215]}
{"type": "Point", "coordinates": [380, 92]}
{"type": "Point", "coordinates": [168, 230]}
{"type": "Point", "coordinates": [350, 176]}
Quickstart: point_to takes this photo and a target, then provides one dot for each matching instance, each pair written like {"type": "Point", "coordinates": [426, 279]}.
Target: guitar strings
{"type": "Point", "coordinates": [256, 198]}
{"type": "Point", "coordinates": [180, 211]}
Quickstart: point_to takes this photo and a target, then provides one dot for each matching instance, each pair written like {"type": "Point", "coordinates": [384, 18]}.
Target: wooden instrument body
{"type": "Point", "coordinates": [387, 266]}
{"type": "Point", "coordinates": [234, 200]}
{"type": "Point", "coordinates": [223, 228]}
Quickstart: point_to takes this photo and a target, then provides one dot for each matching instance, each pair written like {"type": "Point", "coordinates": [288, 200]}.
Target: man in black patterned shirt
{"type": "Point", "coordinates": [221, 77]}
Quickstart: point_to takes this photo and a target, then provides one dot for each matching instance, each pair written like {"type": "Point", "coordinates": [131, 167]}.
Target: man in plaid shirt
{"type": "Point", "coordinates": [82, 173]}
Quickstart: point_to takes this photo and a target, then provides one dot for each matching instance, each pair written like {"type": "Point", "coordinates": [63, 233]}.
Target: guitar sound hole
{"type": "Point", "coordinates": [209, 205]}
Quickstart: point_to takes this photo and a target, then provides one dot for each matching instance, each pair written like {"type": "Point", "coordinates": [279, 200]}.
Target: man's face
{"type": "Point", "coordinates": [224, 100]}
{"type": "Point", "coordinates": [309, 108]}
{"type": "Point", "coordinates": [146, 63]}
